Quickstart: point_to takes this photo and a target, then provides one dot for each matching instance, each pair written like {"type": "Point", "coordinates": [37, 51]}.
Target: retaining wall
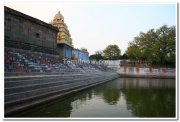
{"type": "Point", "coordinates": [147, 72]}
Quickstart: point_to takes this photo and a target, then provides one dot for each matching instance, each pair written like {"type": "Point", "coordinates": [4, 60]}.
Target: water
{"type": "Point", "coordinates": [123, 97]}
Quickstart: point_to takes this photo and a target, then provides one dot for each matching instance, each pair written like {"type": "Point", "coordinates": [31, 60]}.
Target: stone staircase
{"type": "Point", "coordinates": [24, 92]}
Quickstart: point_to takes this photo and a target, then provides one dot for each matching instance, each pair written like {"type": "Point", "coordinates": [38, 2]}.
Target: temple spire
{"type": "Point", "coordinates": [63, 36]}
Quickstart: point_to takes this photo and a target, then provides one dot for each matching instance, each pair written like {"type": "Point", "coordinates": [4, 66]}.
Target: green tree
{"type": "Point", "coordinates": [133, 52]}
{"type": "Point", "coordinates": [124, 56]}
{"type": "Point", "coordinates": [166, 49]}
{"type": "Point", "coordinates": [97, 56]}
{"type": "Point", "coordinates": [112, 52]}
{"type": "Point", "coordinates": [154, 46]}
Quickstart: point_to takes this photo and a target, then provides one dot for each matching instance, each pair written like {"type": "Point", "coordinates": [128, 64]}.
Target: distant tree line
{"type": "Point", "coordinates": [155, 46]}
{"type": "Point", "coordinates": [111, 52]}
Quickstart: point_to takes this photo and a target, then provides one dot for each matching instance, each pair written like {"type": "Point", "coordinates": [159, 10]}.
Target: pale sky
{"type": "Point", "coordinates": [94, 25]}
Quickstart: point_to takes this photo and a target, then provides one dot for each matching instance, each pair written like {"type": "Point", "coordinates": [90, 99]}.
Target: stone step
{"type": "Point", "coordinates": [15, 98]}
{"type": "Point", "coordinates": [27, 92]}
{"type": "Point", "coordinates": [47, 89]}
{"type": "Point", "coordinates": [30, 77]}
{"type": "Point", "coordinates": [47, 83]}
{"type": "Point", "coordinates": [31, 102]}
{"type": "Point", "coordinates": [38, 81]}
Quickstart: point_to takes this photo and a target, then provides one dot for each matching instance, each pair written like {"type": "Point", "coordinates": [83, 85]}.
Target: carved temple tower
{"type": "Point", "coordinates": [64, 41]}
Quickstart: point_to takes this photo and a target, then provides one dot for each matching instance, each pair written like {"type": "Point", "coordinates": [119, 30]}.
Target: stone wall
{"type": "Point", "coordinates": [21, 29]}
{"type": "Point", "coordinates": [147, 72]}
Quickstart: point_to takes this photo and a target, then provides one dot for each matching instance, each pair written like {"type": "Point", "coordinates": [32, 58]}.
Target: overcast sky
{"type": "Point", "coordinates": [94, 25]}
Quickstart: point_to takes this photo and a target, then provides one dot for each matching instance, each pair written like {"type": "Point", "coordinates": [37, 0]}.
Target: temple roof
{"type": "Point", "coordinates": [59, 16]}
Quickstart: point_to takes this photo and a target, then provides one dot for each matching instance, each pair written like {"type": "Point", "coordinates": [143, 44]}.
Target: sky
{"type": "Point", "coordinates": [94, 25]}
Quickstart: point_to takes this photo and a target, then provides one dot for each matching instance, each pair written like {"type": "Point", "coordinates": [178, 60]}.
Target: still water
{"type": "Point", "coordinates": [123, 97]}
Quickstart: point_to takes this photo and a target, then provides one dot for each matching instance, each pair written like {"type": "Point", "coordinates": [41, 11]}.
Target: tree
{"type": "Point", "coordinates": [124, 56]}
{"type": "Point", "coordinates": [97, 56]}
{"type": "Point", "coordinates": [166, 49]}
{"type": "Point", "coordinates": [154, 46]}
{"type": "Point", "coordinates": [133, 52]}
{"type": "Point", "coordinates": [112, 52]}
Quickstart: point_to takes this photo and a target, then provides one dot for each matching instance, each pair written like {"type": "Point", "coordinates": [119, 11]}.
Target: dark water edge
{"type": "Point", "coordinates": [123, 97]}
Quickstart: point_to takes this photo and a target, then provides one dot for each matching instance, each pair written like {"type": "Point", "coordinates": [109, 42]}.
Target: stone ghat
{"type": "Point", "coordinates": [22, 92]}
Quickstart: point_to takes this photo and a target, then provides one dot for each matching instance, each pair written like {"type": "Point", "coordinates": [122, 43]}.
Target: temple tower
{"type": "Point", "coordinates": [64, 41]}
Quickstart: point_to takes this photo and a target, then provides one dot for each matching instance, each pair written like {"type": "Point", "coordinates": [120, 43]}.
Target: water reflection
{"type": "Point", "coordinates": [111, 94]}
{"type": "Point", "coordinates": [123, 97]}
{"type": "Point", "coordinates": [150, 97]}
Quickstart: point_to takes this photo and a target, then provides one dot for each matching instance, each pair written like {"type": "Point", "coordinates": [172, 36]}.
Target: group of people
{"type": "Point", "coordinates": [18, 60]}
